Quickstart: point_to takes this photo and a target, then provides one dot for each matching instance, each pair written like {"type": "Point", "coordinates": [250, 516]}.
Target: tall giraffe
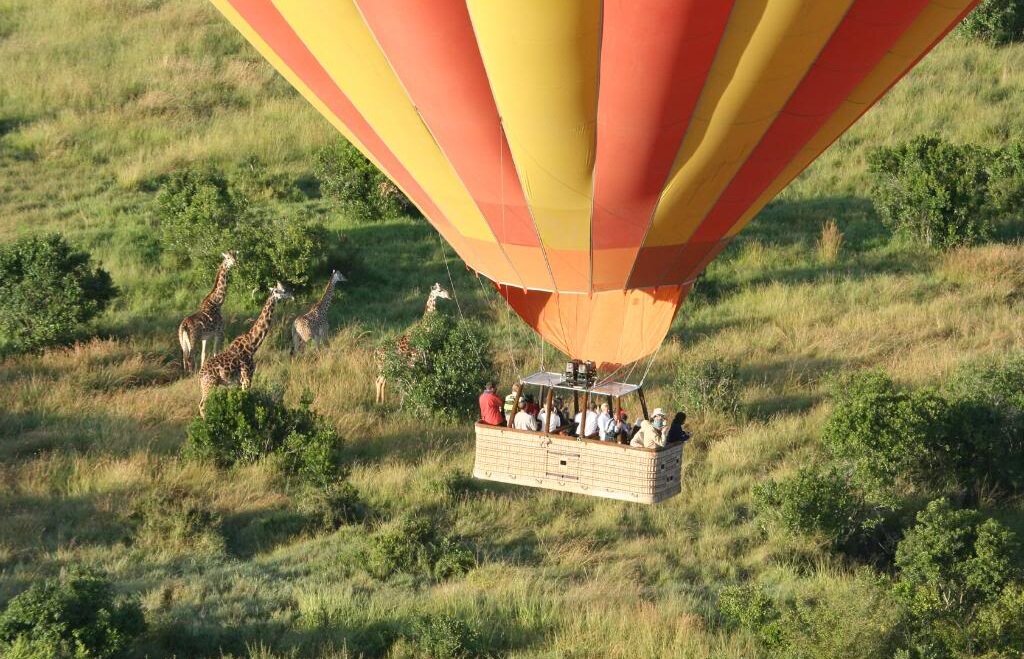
{"type": "Point", "coordinates": [207, 324]}
{"type": "Point", "coordinates": [312, 325]}
{"type": "Point", "coordinates": [437, 292]}
{"type": "Point", "coordinates": [237, 363]}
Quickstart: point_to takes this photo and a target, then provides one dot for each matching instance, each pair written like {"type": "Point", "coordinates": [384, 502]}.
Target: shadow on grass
{"type": "Point", "coordinates": [255, 532]}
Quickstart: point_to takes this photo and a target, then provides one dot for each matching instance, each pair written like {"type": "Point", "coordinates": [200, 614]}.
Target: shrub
{"type": "Point", "coordinates": [244, 426]}
{"type": "Point", "coordinates": [988, 403]}
{"type": "Point", "coordinates": [998, 626]}
{"type": "Point", "coordinates": [252, 178]}
{"type": "Point", "coordinates": [361, 190]}
{"type": "Point", "coordinates": [1006, 182]}
{"type": "Point", "coordinates": [891, 436]}
{"type": "Point", "coordinates": [76, 615]}
{"type": "Point", "coordinates": [48, 291]}
{"type": "Point", "coordinates": [332, 506]}
{"type": "Point", "coordinates": [446, 637]}
{"type": "Point", "coordinates": [749, 607]}
{"type": "Point", "coordinates": [201, 214]}
{"type": "Point", "coordinates": [413, 546]}
{"type": "Point", "coordinates": [708, 385]}
{"type": "Point", "coordinates": [997, 22]}
{"type": "Point", "coordinates": [453, 364]}
{"type": "Point", "coordinates": [816, 501]}
{"type": "Point", "coordinates": [177, 520]}
{"type": "Point", "coordinates": [952, 565]}
{"type": "Point", "coordinates": [933, 191]}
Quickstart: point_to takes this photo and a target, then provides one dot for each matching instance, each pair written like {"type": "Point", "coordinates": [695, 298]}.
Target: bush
{"type": "Point", "coordinates": [952, 565]}
{"type": "Point", "coordinates": [48, 291]}
{"type": "Point", "coordinates": [997, 22]}
{"type": "Point", "coordinates": [252, 179]}
{"type": "Point", "coordinates": [76, 615]}
{"type": "Point", "coordinates": [987, 399]}
{"type": "Point", "coordinates": [332, 506]}
{"type": "Point", "coordinates": [446, 637]}
{"type": "Point", "coordinates": [454, 363]}
{"type": "Point", "coordinates": [749, 607]}
{"type": "Point", "coordinates": [705, 386]}
{"type": "Point", "coordinates": [413, 546]}
{"type": "Point", "coordinates": [1006, 182]}
{"type": "Point", "coordinates": [201, 214]}
{"type": "Point", "coordinates": [177, 520]}
{"type": "Point", "coordinates": [933, 191]}
{"type": "Point", "coordinates": [361, 190]}
{"type": "Point", "coordinates": [891, 436]}
{"type": "Point", "coordinates": [244, 426]}
{"type": "Point", "coordinates": [816, 501]}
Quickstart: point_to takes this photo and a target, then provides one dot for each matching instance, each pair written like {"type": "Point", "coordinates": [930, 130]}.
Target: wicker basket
{"type": "Point", "coordinates": [555, 462]}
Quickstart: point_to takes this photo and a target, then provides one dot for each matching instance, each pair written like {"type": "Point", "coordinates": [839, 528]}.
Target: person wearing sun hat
{"type": "Point", "coordinates": [651, 433]}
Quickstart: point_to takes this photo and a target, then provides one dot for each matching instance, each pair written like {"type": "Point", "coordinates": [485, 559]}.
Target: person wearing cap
{"type": "Point", "coordinates": [490, 407]}
{"type": "Point", "coordinates": [510, 403]}
{"type": "Point", "coordinates": [651, 433]}
{"type": "Point", "coordinates": [523, 419]}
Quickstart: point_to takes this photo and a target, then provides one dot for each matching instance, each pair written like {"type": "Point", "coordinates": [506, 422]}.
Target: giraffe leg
{"type": "Point", "coordinates": [202, 355]}
{"type": "Point", "coordinates": [381, 382]}
{"type": "Point", "coordinates": [204, 391]}
{"type": "Point", "coordinates": [245, 374]}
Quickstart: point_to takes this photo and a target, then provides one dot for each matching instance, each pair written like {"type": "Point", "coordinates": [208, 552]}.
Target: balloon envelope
{"type": "Point", "coordinates": [592, 157]}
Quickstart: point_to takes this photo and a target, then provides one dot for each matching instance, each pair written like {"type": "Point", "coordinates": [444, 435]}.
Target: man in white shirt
{"type": "Point", "coordinates": [606, 425]}
{"type": "Point", "coordinates": [542, 420]}
{"type": "Point", "coordinates": [591, 429]}
{"type": "Point", "coordinates": [523, 419]}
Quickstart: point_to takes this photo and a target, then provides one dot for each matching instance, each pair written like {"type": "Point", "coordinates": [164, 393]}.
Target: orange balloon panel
{"type": "Point", "coordinates": [578, 152]}
{"type": "Point", "coordinates": [611, 327]}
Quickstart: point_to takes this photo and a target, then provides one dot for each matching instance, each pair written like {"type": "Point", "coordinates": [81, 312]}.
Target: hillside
{"type": "Point", "coordinates": [99, 99]}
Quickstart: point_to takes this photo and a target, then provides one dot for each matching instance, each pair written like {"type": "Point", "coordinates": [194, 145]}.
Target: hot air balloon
{"type": "Point", "coordinates": [591, 157]}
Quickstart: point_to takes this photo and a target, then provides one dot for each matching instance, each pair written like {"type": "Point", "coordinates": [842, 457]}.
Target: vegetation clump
{"type": "Point", "coordinates": [446, 636]}
{"type": "Point", "coordinates": [934, 191]}
{"type": "Point", "coordinates": [331, 506]}
{"type": "Point", "coordinates": [361, 190]}
{"type": "Point", "coordinates": [997, 22]}
{"type": "Point", "coordinates": [75, 615]}
{"type": "Point", "coordinates": [177, 520]}
{"type": "Point", "coordinates": [958, 576]}
{"type": "Point", "coordinates": [414, 546]}
{"type": "Point", "coordinates": [243, 427]}
{"type": "Point", "coordinates": [818, 501]}
{"type": "Point", "coordinates": [49, 290]}
{"type": "Point", "coordinates": [201, 213]}
{"type": "Point", "coordinates": [708, 385]}
{"type": "Point", "coordinates": [451, 360]}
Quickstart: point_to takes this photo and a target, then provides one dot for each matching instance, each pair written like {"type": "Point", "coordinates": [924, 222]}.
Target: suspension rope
{"type": "Point", "coordinates": [650, 363]}
{"type": "Point", "coordinates": [444, 256]}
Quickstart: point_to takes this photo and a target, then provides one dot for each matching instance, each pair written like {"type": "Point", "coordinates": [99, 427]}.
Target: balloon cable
{"type": "Point", "coordinates": [451, 281]}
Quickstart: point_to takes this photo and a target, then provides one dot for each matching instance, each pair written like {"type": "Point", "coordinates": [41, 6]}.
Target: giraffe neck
{"type": "Point", "coordinates": [261, 327]}
{"type": "Point", "coordinates": [325, 300]}
{"type": "Point", "coordinates": [431, 305]}
{"type": "Point", "coordinates": [220, 287]}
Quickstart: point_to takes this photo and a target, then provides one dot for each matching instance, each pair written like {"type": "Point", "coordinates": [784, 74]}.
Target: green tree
{"type": "Point", "coordinates": [934, 191]}
{"type": "Point", "coordinates": [48, 291]}
{"type": "Point", "coordinates": [75, 616]}
{"type": "Point", "coordinates": [361, 190]}
{"type": "Point", "coordinates": [997, 22]}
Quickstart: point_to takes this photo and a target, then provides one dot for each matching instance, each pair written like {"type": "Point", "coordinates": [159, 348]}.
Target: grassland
{"type": "Point", "coordinates": [98, 99]}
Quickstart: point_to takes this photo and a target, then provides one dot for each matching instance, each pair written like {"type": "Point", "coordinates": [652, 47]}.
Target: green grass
{"type": "Point", "coordinates": [100, 99]}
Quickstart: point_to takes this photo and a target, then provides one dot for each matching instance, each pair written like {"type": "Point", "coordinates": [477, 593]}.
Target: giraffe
{"type": "Point", "coordinates": [236, 363]}
{"type": "Point", "coordinates": [437, 292]}
{"type": "Point", "coordinates": [312, 325]}
{"type": "Point", "coordinates": [206, 324]}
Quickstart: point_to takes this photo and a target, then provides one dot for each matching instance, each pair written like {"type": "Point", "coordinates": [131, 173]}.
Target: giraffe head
{"type": "Point", "coordinates": [279, 292]}
{"type": "Point", "coordinates": [337, 277]}
{"type": "Point", "coordinates": [439, 291]}
{"type": "Point", "coordinates": [229, 259]}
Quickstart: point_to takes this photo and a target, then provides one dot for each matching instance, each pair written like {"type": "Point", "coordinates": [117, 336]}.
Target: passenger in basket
{"type": "Point", "coordinates": [510, 403]}
{"type": "Point", "coordinates": [623, 430]}
{"type": "Point", "coordinates": [606, 424]}
{"type": "Point", "coordinates": [524, 420]}
{"type": "Point", "coordinates": [651, 433]}
{"type": "Point", "coordinates": [676, 433]}
{"type": "Point", "coordinates": [591, 429]}
{"type": "Point", "coordinates": [490, 407]}
{"type": "Point", "coordinates": [542, 420]}
{"type": "Point", "coordinates": [560, 408]}
{"type": "Point", "coordinates": [531, 407]}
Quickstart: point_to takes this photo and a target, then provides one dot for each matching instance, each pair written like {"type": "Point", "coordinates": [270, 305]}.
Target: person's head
{"type": "Point", "coordinates": [522, 401]}
{"type": "Point", "coordinates": [658, 422]}
{"type": "Point", "coordinates": [529, 398]}
{"type": "Point", "coordinates": [623, 415]}
{"type": "Point", "coordinates": [489, 387]}
{"type": "Point", "coordinates": [559, 402]}
{"type": "Point", "coordinates": [679, 419]}
{"type": "Point", "coordinates": [605, 408]}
